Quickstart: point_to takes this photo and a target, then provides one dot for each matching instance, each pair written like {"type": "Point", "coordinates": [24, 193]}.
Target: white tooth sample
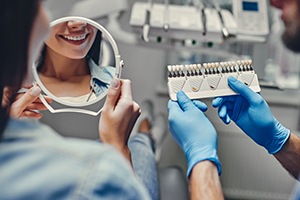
{"type": "Point", "coordinates": [181, 68]}
{"type": "Point", "coordinates": [170, 68]}
{"type": "Point", "coordinates": [192, 68]}
{"type": "Point", "coordinates": [195, 67]}
{"type": "Point", "coordinates": [212, 65]}
{"type": "Point", "coordinates": [187, 67]}
{"type": "Point", "coordinates": [226, 64]}
{"type": "Point", "coordinates": [205, 65]}
{"type": "Point", "coordinates": [217, 64]}
{"type": "Point", "coordinates": [173, 68]}
{"type": "Point", "coordinates": [199, 66]}
{"type": "Point", "coordinates": [233, 63]}
{"type": "Point", "coordinates": [209, 65]}
{"type": "Point", "coordinates": [238, 62]}
{"type": "Point", "coordinates": [250, 62]}
{"type": "Point", "coordinates": [243, 62]}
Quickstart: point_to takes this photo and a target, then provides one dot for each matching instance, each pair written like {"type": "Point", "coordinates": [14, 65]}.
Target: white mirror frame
{"type": "Point", "coordinates": [118, 62]}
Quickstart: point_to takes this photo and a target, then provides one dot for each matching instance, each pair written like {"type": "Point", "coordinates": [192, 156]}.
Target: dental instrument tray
{"type": "Point", "coordinates": [210, 79]}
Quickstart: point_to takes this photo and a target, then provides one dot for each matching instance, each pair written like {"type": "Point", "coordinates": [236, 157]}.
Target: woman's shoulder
{"type": "Point", "coordinates": [65, 166]}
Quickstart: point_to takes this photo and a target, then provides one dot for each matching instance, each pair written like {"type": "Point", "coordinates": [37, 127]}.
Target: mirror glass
{"type": "Point", "coordinates": [77, 62]}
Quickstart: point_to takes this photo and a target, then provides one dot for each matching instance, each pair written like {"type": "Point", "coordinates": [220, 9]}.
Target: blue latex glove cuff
{"type": "Point", "coordinates": [194, 157]}
{"type": "Point", "coordinates": [279, 139]}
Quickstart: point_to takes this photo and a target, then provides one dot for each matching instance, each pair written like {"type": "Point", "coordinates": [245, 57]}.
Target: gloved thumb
{"type": "Point", "coordinates": [242, 89]}
{"type": "Point", "coordinates": [113, 93]}
{"type": "Point", "coordinates": [184, 101]}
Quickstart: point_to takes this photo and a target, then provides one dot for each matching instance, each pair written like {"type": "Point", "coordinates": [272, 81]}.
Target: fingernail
{"type": "Point", "coordinates": [114, 83]}
{"type": "Point", "coordinates": [35, 91]}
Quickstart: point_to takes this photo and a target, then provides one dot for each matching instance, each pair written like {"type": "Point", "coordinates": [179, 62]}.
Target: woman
{"type": "Point", "coordinates": [37, 163]}
{"type": "Point", "coordinates": [69, 66]}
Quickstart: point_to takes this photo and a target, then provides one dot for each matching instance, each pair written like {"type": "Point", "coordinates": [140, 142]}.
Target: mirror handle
{"type": "Point", "coordinates": [63, 110]}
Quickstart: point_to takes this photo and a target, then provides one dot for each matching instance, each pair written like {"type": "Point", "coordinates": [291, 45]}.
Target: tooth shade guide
{"type": "Point", "coordinates": [213, 71]}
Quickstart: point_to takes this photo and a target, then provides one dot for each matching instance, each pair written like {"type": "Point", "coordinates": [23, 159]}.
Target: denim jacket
{"type": "Point", "coordinates": [101, 77]}
{"type": "Point", "coordinates": [37, 163]}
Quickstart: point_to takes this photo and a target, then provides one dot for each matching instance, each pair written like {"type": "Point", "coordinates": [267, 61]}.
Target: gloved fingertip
{"type": "Point", "coordinates": [227, 119]}
{"type": "Point", "coordinates": [180, 94]}
{"type": "Point", "coordinates": [204, 108]}
{"type": "Point", "coordinates": [231, 79]}
{"type": "Point", "coordinates": [216, 102]}
{"type": "Point", "coordinates": [222, 111]}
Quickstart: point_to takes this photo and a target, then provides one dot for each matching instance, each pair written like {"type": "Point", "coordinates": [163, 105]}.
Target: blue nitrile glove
{"type": "Point", "coordinates": [252, 114]}
{"type": "Point", "coordinates": [192, 130]}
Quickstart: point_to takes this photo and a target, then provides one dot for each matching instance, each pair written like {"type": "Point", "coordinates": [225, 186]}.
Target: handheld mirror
{"type": "Point", "coordinates": [77, 64]}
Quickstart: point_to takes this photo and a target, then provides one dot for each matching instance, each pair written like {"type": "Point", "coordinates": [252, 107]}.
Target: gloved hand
{"type": "Point", "coordinates": [252, 114]}
{"type": "Point", "coordinates": [192, 130]}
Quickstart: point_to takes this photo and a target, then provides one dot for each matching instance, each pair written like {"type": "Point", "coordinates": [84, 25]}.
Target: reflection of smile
{"type": "Point", "coordinates": [75, 39]}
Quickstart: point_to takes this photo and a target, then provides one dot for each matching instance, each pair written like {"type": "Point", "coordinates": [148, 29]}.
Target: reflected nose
{"type": "Point", "coordinates": [76, 25]}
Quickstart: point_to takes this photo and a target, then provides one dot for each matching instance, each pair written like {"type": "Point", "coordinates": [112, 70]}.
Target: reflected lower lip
{"type": "Point", "coordinates": [75, 40]}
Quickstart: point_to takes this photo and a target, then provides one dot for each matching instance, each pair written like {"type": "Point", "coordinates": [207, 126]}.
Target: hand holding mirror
{"type": "Point", "coordinates": [72, 69]}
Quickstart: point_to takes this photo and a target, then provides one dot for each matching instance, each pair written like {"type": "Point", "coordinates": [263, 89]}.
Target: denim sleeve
{"type": "Point", "coordinates": [111, 177]}
{"type": "Point", "coordinates": [36, 163]}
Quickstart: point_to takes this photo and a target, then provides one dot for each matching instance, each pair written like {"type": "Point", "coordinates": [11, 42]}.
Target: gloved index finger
{"type": "Point", "coordinates": [242, 89]}
{"type": "Point", "coordinates": [200, 105]}
{"type": "Point", "coordinates": [184, 101]}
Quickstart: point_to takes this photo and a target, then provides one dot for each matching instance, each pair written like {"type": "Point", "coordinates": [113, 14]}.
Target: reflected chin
{"type": "Point", "coordinates": [76, 55]}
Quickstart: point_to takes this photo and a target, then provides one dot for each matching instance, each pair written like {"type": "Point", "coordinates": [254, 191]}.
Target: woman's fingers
{"type": "Point", "coordinates": [31, 114]}
{"type": "Point", "coordinates": [38, 100]}
{"type": "Point", "coordinates": [126, 90]}
{"type": "Point", "coordinates": [18, 106]}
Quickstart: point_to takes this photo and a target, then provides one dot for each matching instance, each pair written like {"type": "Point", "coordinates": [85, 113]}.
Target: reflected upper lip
{"type": "Point", "coordinates": [75, 37]}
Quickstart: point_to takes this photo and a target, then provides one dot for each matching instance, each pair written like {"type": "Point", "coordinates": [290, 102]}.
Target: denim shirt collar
{"type": "Point", "coordinates": [100, 77]}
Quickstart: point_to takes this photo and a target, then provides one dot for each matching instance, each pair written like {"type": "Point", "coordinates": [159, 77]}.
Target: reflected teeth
{"type": "Point", "coordinates": [75, 38]}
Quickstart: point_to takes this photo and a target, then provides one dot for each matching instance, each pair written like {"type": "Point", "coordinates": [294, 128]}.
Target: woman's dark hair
{"type": "Point", "coordinates": [16, 21]}
{"type": "Point", "coordinates": [93, 53]}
